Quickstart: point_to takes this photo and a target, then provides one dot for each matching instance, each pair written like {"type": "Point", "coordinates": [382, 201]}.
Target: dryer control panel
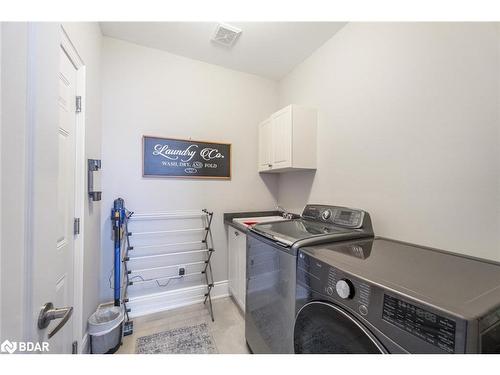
{"type": "Point", "coordinates": [334, 283]}
{"type": "Point", "coordinates": [432, 328]}
{"type": "Point", "coordinates": [348, 288]}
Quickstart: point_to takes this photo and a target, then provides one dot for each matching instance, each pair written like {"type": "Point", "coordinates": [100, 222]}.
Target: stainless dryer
{"type": "Point", "coordinates": [385, 296]}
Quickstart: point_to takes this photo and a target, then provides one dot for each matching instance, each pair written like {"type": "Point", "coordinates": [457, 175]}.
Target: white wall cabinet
{"type": "Point", "coordinates": [287, 140]}
{"type": "Point", "coordinates": [237, 249]}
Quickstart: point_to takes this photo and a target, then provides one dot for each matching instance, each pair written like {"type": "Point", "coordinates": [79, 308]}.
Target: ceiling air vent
{"type": "Point", "coordinates": [226, 35]}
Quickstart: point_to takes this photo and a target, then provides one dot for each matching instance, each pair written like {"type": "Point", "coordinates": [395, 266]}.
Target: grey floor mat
{"type": "Point", "coordinates": [186, 340]}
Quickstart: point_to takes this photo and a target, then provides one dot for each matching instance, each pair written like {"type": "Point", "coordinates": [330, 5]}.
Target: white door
{"type": "Point", "coordinates": [282, 138]}
{"type": "Point", "coordinates": [265, 145]}
{"type": "Point", "coordinates": [53, 269]}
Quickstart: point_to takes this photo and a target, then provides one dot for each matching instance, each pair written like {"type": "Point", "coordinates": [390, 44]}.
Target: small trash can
{"type": "Point", "coordinates": [105, 329]}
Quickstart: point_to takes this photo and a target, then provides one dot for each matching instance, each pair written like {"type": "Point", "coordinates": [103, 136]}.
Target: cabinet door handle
{"type": "Point", "coordinates": [236, 233]}
{"type": "Point", "coordinates": [269, 165]}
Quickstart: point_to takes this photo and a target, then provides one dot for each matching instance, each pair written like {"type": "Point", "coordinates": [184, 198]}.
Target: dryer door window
{"type": "Point", "coordinates": [325, 328]}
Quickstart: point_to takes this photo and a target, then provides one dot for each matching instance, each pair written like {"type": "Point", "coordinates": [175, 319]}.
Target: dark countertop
{"type": "Point", "coordinates": [229, 216]}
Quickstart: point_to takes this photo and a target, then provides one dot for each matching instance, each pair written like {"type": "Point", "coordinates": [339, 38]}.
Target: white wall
{"type": "Point", "coordinates": [147, 91]}
{"type": "Point", "coordinates": [14, 182]}
{"type": "Point", "coordinates": [408, 130]}
{"type": "Point", "coordinates": [86, 36]}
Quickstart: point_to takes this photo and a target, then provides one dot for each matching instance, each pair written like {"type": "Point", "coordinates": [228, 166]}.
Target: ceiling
{"type": "Point", "coordinates": [268, 49]}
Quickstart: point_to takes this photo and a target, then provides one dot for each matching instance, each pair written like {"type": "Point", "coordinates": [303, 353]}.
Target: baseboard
{"type": "Point", "coordinates": [172, 299]}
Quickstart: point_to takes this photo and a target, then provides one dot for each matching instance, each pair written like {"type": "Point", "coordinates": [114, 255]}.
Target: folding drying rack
{"type": "Point", "coordinates": [134, 275]}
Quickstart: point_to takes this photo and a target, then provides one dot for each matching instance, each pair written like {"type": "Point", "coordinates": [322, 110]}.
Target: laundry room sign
{"type": "Point", "coordinates": [170, 157]}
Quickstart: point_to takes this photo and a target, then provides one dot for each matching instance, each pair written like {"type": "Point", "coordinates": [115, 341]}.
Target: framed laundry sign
{"type": "Point", "coordinates": [185, 158]}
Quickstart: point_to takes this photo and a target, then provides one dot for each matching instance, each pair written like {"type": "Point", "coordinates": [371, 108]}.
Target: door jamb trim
{"type": "Point", "coordinates": [80, 197]}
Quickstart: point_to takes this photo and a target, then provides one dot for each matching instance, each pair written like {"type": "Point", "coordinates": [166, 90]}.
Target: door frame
{"type": "Point", "coordinates": [80, 196]}
{"type": "Point", "coordinates": [1, 176]}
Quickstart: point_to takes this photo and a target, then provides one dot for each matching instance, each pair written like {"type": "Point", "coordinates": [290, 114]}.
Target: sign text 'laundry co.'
{"type": "Point", "coordinates": [170, 157]}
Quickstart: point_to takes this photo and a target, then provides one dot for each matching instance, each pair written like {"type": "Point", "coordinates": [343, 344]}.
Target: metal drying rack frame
{"type": "Point", "coordinates": [206, 240]}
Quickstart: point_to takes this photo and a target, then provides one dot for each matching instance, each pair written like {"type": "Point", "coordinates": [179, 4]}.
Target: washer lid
{"type": "Point", "coordinates": [291, 231]}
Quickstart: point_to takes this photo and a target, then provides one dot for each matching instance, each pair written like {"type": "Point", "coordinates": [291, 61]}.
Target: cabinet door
{"type": "Point", "coordinates": [282, 138]}
{"type": "Point", "coordinates": [232, 249]}
{"type": "Point", "coordinates": [265, 144]}
{"type": "Point", "coordinates": [242, 265]}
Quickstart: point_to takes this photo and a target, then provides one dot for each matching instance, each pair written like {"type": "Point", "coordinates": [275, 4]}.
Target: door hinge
{"type": "Point", "coordinates": [76, 226]}
{"type": "Point", "coordinates": [78, 104]}
{"type": "Point", "coordinates": [74, 347]}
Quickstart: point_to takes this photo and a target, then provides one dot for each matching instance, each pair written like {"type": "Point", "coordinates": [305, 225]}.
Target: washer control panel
{"type": "Point", "coordinates": [326, 214]}
{"type": "Point", "coordinates": [341, 216]}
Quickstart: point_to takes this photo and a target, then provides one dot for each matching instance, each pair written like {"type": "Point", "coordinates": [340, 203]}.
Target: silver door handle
{"type": "Point", "coordinates": [49, 313]}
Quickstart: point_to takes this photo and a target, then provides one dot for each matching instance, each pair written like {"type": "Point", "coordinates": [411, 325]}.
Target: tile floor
{"type": "Point", "coordinates": [228, 330]}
